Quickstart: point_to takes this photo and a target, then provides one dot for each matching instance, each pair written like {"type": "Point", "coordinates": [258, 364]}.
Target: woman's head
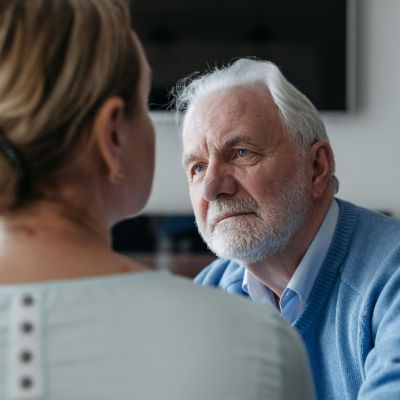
{"type": "Point", "coordinates": [60, 61]}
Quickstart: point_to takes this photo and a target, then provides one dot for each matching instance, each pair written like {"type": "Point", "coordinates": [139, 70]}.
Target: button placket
{"type": "Point", "coordinates": [26, 348]}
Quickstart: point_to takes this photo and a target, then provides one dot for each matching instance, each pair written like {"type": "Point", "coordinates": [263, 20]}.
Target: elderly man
{"type": "Point", "coordinates": [262, 185]}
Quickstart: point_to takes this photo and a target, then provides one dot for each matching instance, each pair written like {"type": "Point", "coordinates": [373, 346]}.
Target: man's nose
{"type": "Point", "coordinates": [218, 182]}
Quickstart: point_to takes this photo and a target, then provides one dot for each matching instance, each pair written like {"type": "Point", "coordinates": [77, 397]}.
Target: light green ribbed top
{"type": "Point", "coordinates": [145, 335]}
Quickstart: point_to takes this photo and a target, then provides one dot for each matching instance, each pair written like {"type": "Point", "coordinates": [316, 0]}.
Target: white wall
{"type": "Point", "coordinates": [366, 142]}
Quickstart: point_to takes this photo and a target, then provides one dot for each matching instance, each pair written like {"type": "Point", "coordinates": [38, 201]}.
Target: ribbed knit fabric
{"type": "Point", "coordinates": [351, 324]}
{"type": "Point", "coordinates": [144, 336]}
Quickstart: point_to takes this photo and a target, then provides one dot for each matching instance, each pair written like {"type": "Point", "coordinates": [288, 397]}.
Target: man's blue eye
{"type": "Point", "coordinates": [198, 169]}
{"type": "Point", "coordinates": [242, 152]}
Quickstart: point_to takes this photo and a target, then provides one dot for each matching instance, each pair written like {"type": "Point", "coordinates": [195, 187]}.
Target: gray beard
{"type": "Point", "coordinates": [254, 237]}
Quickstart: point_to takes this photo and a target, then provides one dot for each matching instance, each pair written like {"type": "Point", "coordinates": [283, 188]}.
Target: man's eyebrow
{"type": "Point", "coordinates": [231, 142]}
{"type": "Point", "coordinates": [242, 138]}
{"type": "Point", "coordinates": [188, 159]}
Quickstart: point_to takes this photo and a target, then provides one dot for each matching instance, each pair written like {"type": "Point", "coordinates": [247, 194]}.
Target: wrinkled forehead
{"type": "Point", "coordinates": [249, 107]}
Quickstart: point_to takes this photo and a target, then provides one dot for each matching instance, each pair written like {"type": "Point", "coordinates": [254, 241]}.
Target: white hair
{"type": "Point", "coordinates": [299, 117]}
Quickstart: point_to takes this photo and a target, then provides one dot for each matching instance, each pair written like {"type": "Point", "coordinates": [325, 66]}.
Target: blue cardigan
{"type": "Point", "coordinates": [351, 324]}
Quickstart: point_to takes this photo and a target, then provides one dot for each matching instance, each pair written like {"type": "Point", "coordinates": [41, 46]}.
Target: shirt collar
{"type": "Point", "coordinates": [304, 277]}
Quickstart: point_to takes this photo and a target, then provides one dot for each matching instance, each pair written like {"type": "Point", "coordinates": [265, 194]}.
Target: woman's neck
{"type": "Point", "coordinates": [57, 220]}
{"type": "Point", "coordinates": [52, 241]}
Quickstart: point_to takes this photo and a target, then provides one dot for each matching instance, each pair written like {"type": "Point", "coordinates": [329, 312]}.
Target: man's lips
{"type": "Point", "coordinates": [231, 214]}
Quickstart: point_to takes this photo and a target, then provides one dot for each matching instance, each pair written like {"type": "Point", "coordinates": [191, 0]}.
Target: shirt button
{"type": "Point", "coordinates": [26, 383]}
{"type": "Point", "coordinates": [26, 356]}
{"type": "Point", "coordinates": [27, 300]}
{"type": "Point", "coordinates": [27, 327]}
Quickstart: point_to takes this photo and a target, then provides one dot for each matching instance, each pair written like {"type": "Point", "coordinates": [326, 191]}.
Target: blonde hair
{"type": "Point", "coordinates": [59, 61]}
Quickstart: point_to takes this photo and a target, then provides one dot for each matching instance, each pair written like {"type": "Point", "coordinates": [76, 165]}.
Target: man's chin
{"type": "Point", "coordinates": [232, 250]}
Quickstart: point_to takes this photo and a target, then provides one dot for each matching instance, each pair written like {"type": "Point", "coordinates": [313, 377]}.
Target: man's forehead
{"type": "Point", "coordinates": [232, 99]}
{"type": "Point", "coordinates": [202, 120]}
{"type": "Point", "coordinates": [222, 111]}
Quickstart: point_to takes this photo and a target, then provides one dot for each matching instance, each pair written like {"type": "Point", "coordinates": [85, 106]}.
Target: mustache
{"type": "Point", "coordinates": [218, 208]}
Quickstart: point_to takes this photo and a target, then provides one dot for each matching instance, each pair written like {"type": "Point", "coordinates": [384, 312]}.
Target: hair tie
{"type": "Point", "coordinates": [12, 156]}
{"type": "Point", "coordinates": [17, 164]}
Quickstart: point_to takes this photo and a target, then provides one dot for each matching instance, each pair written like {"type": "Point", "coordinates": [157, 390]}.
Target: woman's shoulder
{"type": "Point", "coordinates": [143, 291]}
{"type": "Point", "coordinates": [156, 324]}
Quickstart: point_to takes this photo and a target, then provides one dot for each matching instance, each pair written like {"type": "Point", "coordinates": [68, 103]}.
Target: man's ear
{"type": "Point", "coordinates": [107, 130]}
{"type": "Point", "coordinates": [322, 164]}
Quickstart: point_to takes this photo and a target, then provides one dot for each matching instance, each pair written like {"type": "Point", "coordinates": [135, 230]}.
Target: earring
{"type": "Point", "coordinates": [116, 177]}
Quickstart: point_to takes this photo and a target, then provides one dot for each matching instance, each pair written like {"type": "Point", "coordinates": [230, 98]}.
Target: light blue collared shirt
{"type": "Point", "coordinates": [295, 296]}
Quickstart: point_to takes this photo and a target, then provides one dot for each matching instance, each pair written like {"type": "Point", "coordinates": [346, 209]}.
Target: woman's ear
{"type": "Point", "coordinates": [322, 165]}
{"type": "Point", "coordinates": [107, 131]}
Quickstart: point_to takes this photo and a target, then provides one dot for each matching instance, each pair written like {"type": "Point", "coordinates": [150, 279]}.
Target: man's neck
{"type": "Point", "coordinates": [276, 271]}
